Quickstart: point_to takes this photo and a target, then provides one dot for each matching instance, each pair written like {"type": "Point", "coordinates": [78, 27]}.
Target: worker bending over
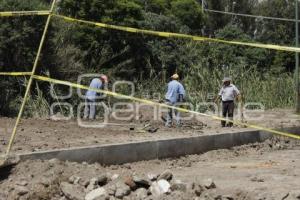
{"type": "Point", "coordinates": [175, 93]}
{"type": "Point", "coordinates": [91, 96]}
{"type": "Point", "coordinates": [228, 94]}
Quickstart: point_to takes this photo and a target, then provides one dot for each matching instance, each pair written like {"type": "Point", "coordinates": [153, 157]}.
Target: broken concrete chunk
{"type": "Point", "coordinates": [84, 182]}
{"type": "Point", "coordinates": [130, 182]}
{"type": "Point", "coordinates": [164, 185]}
{"type": "Point", "coordinates": [115, 176]}
{"type": "Point", "coordinates": [111, 189]}
{"type": "Point", "coordinates": [142, 182]}
{"type": "Point", "coordinates": [74, 179]}
{"type": "Point", "coordinates": [122, 190]}
{"type": "Point", "coordinates": [99, 193]}
{"type": "Point", "coordinates": [155, 190]}
{"type": "Point", "coordinates": [74, 192]}
{"type": "Point", "coordinates": [141, 194]}
{"type": "Point", "coordinates": [159, 188]}
{"type": "Point", "coordinates": [167, 175]}
{"type": "Point", "coordinates": [93, 184]}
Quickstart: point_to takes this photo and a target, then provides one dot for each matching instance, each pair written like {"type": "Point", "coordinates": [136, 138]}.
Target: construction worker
{"type": "Point", "coordinates": [175, 93]}
{"type": "Point", "coordinates": [91, 96]}
{"type": "Point", "coordinates": [228, 93]}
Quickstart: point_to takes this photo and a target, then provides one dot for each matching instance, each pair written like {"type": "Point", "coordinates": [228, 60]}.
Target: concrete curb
{"type": "Point", "coordinates": [148, 150]}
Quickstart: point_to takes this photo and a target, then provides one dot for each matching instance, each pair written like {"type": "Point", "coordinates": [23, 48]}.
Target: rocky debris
{"type": "Point", "coordinates": [256, 179]}
{"type": "Point", "coordinates": [84, 182]}
{"type": "Point", "coordinates": [152, 177]}
{"type": "Point", "coordinates": [52, 162]}
{"type": "Point", "coordinates": [140, 194]}
{"type": "Point", "coordinates": [179, 186]}
{"type": "Point", "coordinates": [148, 127]}
{"type": "Point", "coordinates": [164, 185]}
{"type": "Point", "coordinates": [130, 182]}
{"type": "Point", "coordinates": [115, 176]}
{"type": "Point", "coordinates": [102, 179]}
{"type": "Point", "coordinates": [139, 187]}
{"type": "Point", "coordinates": [73, 192]}
{"type": "Point", "coordinates": [8, 161]}
{"type": "Point", "coordinates": [160, 187]}
{"type": "Point", "coordinates": [93, 184]}
{"type": "Point", "coordinates": [167, 175]}
{"type": "Point", "coordinates": [45, 182]}
{"type": "Point", "coordinates": [99, 193]}
{"type": "Point", "coordinates": [111, 189]}
{"type": "Point", "coordinates": [142, 182]}
{"type": "Point", "coordinates": [198, 189]}
{"type": "Point", "coordinates": [22, 183]}
{"type": "Point", "coordinates": [21, 190]}
{"type": "Point", "coordinates": [227, 197]}
{"type": "Point", "coordinates": [122, 190]}
{"type": "Point", "coordinates": [74, 179]}
{"type": "Point", "coordinates": [155, 190]}
{"type": "Point", "coordinates": [209, 184]}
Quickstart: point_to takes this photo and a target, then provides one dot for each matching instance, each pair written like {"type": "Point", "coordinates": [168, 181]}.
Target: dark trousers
{"type": "Point", "coordinates": [89, 109]}
{"type": "Point", "coordinates": [227, 109]}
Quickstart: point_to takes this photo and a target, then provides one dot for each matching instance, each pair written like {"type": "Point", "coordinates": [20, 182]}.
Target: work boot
{"type": "Point", "coordinates": [230, 124]}
{"type": "Point", "coordinates": [223, 124]}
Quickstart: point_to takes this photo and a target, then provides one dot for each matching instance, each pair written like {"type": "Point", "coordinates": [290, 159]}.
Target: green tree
{"type": "Point", "coordinates": [19, 39]}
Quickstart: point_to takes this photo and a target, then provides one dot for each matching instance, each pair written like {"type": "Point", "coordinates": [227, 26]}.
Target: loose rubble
{"type": "Point", "coordinates": [136, 187]}
{"type": "Point", "coordinates": [158, 179]}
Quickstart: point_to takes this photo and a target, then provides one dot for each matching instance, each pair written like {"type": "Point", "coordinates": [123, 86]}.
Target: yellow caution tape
{"type": "Point", "coordinates": [14, 131]}
{"type": "Point", "coordinates": [43, 78]}
{"type": "Point", "coordinates": [178, 35]}
{"type": "Point", "coordinates": [22, 13]}
{"type": "Point", "coordinates": [15, 73]}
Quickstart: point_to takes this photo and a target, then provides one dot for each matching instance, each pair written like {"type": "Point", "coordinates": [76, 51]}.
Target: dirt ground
{"type": "Point", "coordinates": [268, 170]}
{"type": "Point", "coordinates": [46, 134]}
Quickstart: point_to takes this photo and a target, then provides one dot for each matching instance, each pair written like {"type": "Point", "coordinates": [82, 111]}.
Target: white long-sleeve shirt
{"type": "Point", "coordinates": [228, 93]}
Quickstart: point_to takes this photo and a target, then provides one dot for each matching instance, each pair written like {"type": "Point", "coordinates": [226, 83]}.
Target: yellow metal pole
{"type": "Point", "coordinates": [30, 81]}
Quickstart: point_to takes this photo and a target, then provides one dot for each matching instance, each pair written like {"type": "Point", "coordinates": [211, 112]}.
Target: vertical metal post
{"type": "Point", "coordinates": [28, 87]}
{"type": "Point", "coordinates": [297, 61]}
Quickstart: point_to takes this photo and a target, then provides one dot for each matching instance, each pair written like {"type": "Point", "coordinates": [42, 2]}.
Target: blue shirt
{"type": "Point", "coordinates": [97, 84]}
{"type": "Point", "coordinates": [174, 90]}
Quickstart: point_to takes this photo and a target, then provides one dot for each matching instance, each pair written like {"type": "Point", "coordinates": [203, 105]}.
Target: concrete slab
{"type": "Point", "coordinates": [148, 150]}
{"type": "Point", "coordinates": [130, 152]}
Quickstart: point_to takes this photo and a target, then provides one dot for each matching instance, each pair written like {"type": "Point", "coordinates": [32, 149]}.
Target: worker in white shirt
{"type": "Point", "coordinates": [228, 93]}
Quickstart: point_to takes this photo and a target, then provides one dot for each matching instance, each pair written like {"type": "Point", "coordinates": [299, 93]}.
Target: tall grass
{"type": "Point", "coordinates": [271, 91]}
{"type": "Point", "coordinates": [202, 84]}
{"type": "Point", "coordinates": [36, 105]}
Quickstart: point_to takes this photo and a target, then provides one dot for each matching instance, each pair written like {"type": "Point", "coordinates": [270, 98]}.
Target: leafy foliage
{"type": "Point", "coordinates": [72, 49]}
